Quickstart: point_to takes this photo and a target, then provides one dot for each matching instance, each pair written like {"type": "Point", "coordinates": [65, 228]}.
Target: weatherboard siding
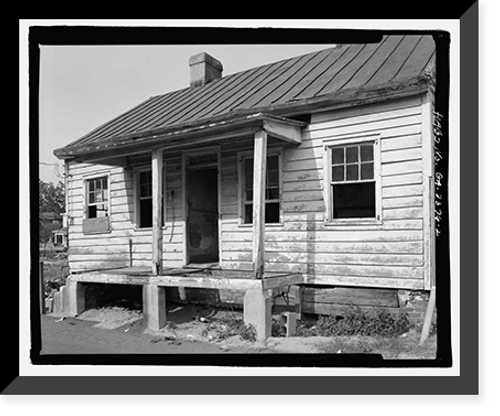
{"type": "Point", "coordinates": [389, 254]}
{"type": "Point", "coordinates": [107, 250]}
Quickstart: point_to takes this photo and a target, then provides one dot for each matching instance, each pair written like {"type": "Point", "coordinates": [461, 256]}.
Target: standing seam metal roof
{"type": "Point", "coordinates": [329, 71]}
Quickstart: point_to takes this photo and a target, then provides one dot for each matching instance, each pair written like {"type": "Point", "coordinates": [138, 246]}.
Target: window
{"type": "Point", "coordinates": [145, 195]}
{"type": "Point", "coordinates": [97, 197]}
{"type": "Point", "coordinates": [272, 197]}
{"type": "Point", "coordinates": [353, 185]}
{"type": "Point", "coordinates": [144, 216]}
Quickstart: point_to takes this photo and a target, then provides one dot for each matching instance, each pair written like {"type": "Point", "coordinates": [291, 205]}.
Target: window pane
{"type": "Point", "coordinates": [355, 200]}
{"type": "Point", "coordinates": [104, 183]}
{"type": "Point", "coordinates": [367, 171]}
{"type": "Point", "coordinates": [367, 152]}
{"type": "Point", "coordinates": [247, 215]}
{"type": "Point", "coordinates": [248, 181]}
{"type": "Point", "coordinates": [248, 166]}
{"type": "Point", "coordinates": [97, 184]}
{"type": "Point", "coordinates": [352, 154]}
{"type": "Point", "coordinates": [91, 186]}
{"type": "Point", "coordinates": [249, 195]}
{"type": "Point", "coordinates": [92, 212]}
{"type": "Point", "coordinates": [352, 172]}
{"type": "Point", "coordinates": [91, 198]}
{"type": "Point", "coordinates": [272, 163]}
{"type": "Point", "coordinates": [338, 156]}
{"type": "Point", "coordinates": [98, 196]}
{"type": "Point", "coordinates": [272, 214]}
{"type": "Point", "coordinates": [338, 173]}
{"type": "Point", "coordinates": [105, 195]}
{"type": "Point", "coordinates": [272, 193]}
{"type": "Point", "coordinates": [272, 179]}
{"type": "Point", "coordinates": [146, 213]}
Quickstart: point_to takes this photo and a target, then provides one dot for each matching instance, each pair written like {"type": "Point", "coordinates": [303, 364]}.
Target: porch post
{"type": "Point", "coordinates": [157, 169]}
{"type": "Point", "coordinates": [259, 198]}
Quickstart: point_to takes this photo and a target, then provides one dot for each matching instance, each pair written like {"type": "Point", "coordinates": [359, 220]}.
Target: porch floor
{"type": "Point", "coordinates": [196, 276]}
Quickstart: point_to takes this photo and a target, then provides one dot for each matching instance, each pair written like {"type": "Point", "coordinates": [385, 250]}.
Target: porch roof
{"type": "Point", "coordinates": [193, 134]}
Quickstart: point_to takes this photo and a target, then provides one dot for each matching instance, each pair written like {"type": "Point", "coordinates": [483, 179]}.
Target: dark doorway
{"type": "Point", "coordinates": [202, 216]}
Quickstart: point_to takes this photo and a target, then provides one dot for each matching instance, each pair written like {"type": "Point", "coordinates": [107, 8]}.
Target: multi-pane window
{"type": "Point", "coordinates": [144, 195]}
{"type": "Point", "coordinates": [272, 197]}
{"type": "Point", "coordinates": [97, 197]}
{"type": "Point", "coordinates": [352, 181]}
{"type": "Point", "coordinates": [145, 199]}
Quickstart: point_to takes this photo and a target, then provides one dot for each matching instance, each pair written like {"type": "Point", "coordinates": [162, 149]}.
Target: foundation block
{"type": "Point", "coordinates": [257, 312]}
{"type": "Point", "coordinates": [154, 302]}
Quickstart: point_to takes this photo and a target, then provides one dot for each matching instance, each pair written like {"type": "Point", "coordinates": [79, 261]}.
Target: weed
{"type": "Point", "coordinates": [236, 327]}
{"type": "Point", "coordinates": [356, 321]}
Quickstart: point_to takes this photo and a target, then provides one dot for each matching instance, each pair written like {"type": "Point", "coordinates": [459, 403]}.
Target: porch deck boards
{"type": "Point", "coordinates": [206, 278]}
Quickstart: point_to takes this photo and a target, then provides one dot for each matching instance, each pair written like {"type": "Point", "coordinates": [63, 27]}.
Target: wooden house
{"type": "Point", "coordinates": [313, 172]}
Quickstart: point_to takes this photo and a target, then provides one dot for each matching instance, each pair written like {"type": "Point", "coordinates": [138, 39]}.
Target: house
{"type": "Point", "coordinates": [313, 172]}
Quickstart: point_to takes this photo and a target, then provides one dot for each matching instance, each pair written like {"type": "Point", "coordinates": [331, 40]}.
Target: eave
{"type": "Point", "coordinates": [189, 135]}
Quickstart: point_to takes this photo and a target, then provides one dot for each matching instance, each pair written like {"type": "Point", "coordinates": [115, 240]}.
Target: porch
{"type": "Point", "coordinates": [257, 299]}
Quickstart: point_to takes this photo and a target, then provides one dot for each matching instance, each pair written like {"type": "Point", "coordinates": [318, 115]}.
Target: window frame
{"type": "Point", "coordinates": [86, 203]}
{"type": "Point", "coordinates": [328, 182]}
{"type": "Point", "coordinates": [249, 154]}
{"type": "Point", "coordinates": [137, 206]}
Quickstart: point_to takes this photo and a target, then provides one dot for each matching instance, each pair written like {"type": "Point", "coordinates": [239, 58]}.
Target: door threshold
{"type": "Point", "coordinates": [203, 266]}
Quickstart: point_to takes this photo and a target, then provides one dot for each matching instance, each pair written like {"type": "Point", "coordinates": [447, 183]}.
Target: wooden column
{"type": "Point", "coordinates": [259, 198]}
{"type": "Point", "coordinates": [157, 169]}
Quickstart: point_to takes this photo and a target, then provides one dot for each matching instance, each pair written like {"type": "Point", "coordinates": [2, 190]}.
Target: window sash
{"type": "Point", "coordinates": [97, 196]}
{"type": "Point", "coordinates": [365, 158]}
{"type": "Point", "coordinates": [273, 185]}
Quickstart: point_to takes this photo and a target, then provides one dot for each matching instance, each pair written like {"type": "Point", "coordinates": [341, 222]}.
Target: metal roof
{"type": "Point", "coordinates": [319, 75]}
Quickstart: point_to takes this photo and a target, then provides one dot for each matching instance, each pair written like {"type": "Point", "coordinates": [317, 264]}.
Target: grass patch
{"type": "Point", "coordinates": [356, 321]}
{"type": "Point", "coordinates": [389, 348]}
{"type": "Point", "coordinates": [233, 327]}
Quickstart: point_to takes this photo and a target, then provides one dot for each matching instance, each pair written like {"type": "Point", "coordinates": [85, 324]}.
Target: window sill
{"type": "Point", "coordinates": [351, 222]}
{"type": "Point", "coordinates": [139, 229]}
{"type": "Point", "coordinates": [273, 225]}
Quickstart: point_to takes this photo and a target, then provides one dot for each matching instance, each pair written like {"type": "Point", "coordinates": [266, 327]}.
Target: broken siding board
{"type": "Point", "coordinates": [401, 155]}
{"type": "Point", "coordinates": [402, 191]}
{"type": "Point", "coordinates": [391, 214]}
{"type": "Point", "coordinates": [387, 298]}
{"type": "Point", "coordinates": [365, 109]}
{"type": "Point", "coordinates": [329, 236]}
{"type": "Point", "coordinates": [398, 168]}
{"type": "Point", "coordinates": [331, 258]}
{"type": "Point", "coordinates": [402, 179]}
{"type": "Point", "coordinates": [338, 248]}
{"type": "Point", "coordinates": [390, 128]}
{"type": "Point", "coordinates": [400, 142]}
{"type": "Point", "coordinates": [390, 117]}
{"type": "Point", "coordinates": [331, 309]}
{"type": "Point", "coordinates": [411, 201]}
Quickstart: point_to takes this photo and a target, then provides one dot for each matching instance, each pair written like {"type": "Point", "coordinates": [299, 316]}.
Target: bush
{"type": "Point", "coordinates": [356, 321]}
{"type": "Point", "coordinates": [235, 327]}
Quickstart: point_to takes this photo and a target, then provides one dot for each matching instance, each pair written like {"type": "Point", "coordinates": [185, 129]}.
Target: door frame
{"type": "Point", "coordinates": [186, 154]}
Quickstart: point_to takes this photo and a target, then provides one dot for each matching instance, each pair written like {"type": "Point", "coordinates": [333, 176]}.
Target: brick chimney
{"type": "Point", "coordinates": [204, 68]}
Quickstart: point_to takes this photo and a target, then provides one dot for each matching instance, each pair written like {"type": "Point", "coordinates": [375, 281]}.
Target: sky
{"type": "Point", "coordinates": [82, 87]}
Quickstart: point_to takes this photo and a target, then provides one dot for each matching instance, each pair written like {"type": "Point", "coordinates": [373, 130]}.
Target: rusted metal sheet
{"type": "Point", "coordinates": [331, 71]}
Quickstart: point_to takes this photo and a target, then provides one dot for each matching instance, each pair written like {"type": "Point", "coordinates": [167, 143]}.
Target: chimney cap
{"type": "Point", "coordinates": [205, 57]}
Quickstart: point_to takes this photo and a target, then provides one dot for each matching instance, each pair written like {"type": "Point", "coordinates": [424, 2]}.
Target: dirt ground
{"type": "Point", "coordinates": [115, 329]}
{"type": "Point", "coordinates": [197, 329]}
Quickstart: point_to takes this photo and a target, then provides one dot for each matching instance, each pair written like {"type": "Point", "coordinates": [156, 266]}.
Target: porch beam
{"type": "Point", "coordinates": [156, 233]}
{"type": "Point", "coordinates": [283, 131]}
{"type": "Point", "coordinates": [259, 191]}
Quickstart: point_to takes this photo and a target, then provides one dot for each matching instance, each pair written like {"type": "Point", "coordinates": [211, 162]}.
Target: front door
{"type": "Point", "coordinates": [202, 215]}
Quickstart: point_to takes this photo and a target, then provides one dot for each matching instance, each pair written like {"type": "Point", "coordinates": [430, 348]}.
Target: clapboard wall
{"type": "Point", "coordinates": [125, 241]}
{"type": "Point", "coordinates": [390, 254]}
